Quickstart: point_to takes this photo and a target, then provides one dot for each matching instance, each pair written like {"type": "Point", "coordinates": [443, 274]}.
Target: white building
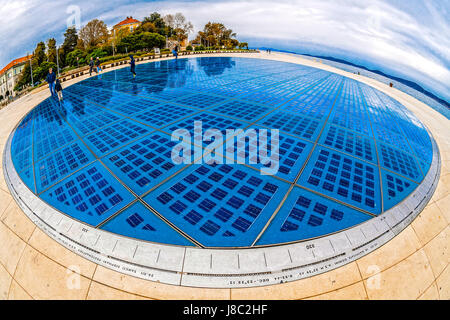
{"type": "Point", "coordinates": [10, 74]}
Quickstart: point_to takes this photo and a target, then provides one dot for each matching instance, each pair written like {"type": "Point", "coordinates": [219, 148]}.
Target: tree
{"type": "Point", "coordinates": [147, 27]}
{"type": "Point", "coordinates": [157, 21]}
{"type": "Point", "coordinates": [98, 52]}
{"type": "Point", "coordinates": [71, 58]}
{"type": "Point", "coordinates": [25, 77]}
{"type": "Point", "coordinates": [39, 54]}
{"type": "Point", "coordinates": [243, 45]}
{"type": "Point", "coordinates": [41, 72]}
{"type": "Point", "coordinates": [215, 34]}
{"type": "Point", "coordinates": [95, 32]}
{"type": "Point", "coordinates": [70, 39]}
{"type": "Point", "coordinates": [37, 59]}
{"type": "Point", "coordinates": [178, 26]}
{"type": "Point", "coordinates": [69, 44]}
{"type": "Point", "coordinates": [152, 40]}
{"type": "Point", "coordinates": [51, 50]}
{"type": "Point", "coordinates": [144, 40]}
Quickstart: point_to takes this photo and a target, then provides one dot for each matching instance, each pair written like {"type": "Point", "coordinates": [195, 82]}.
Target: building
{"type": "Point", "coordinates": [129, 23]}
{"type": "Point", "coordinates": [9, 75]}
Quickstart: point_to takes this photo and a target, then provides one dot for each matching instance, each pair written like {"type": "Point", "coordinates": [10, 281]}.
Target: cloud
{"type": "Point", "coordinates": [409, 39]}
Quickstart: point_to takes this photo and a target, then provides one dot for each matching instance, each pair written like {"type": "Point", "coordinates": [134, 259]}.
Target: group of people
{"type": "Point", "coordinates": [55, 85]}
{"type": "Point", "coordinates": [93, 64]}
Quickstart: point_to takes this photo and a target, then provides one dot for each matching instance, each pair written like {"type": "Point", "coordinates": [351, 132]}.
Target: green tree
{"type": "Point", "coordinates": [39, 55]}
{"type": "Point", "coordinates": [98, 52]}
{"type": "Point", "coordinates": [70, 39]}
{"type": "Point", "coordinates": [156, 19]}
{"type": "Point", "coordinates": [144, 40]}
{"type": "Point", "coordinates": [152, 40]}
{"type": "Point", "coordinates": [51, 50]}
{"type": "Point", "coordinates": [37, 59]}
{"type": "Point", "coordinates": [69, 44]}
{"type": "Point", "coordinates": [215, 34]}
{"type": "Point", "coordinates": [71, 58]}
{"type": "Point", "coordinates": [243, 45]}
{"type": "Point", "coordinates": [25, 77]}
{"type": "Point", "coordinates": [41, 72]}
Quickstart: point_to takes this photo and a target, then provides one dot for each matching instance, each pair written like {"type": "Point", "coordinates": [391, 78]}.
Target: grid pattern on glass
{"type": "Point", "coordinates": [50, 131]}
{"type": "Point", "coordinates": [242, 110]}
{"type": "Point", "coordinates": [272, 96]}
{"type": "Point", "coordinates": [86, 118]}
{"type": "Point", "coordinates": [306, 215]}
{"type": "Point", "coordinates": [140, 223]}
{"type": "Point", "coordinates": [317, 101]}
{"type": "Point", "coordinates": [299, 82]}
{"type": "Point", "coordinates": [343, 178]}
{"type": "Point", "coordinates": [21, 151]}
{"type": "Point", "coordinates": [297, 125]}
{"type": "Point", "coordinates": [23, 159]}
{"type": "Point", "coordinates": [291, 155]}
{"type": "Point", "coordinates": [163, 115]}
{"type": "Point", "coordinates": [114, 114]}
{"type": "Point", "coordinates": [60, 164]}
{"type": "Point", "coordinates": [218, 205]}
{"type": "Point", "coordinates": [395, 188]}
{"type": "Point", "coordinates": [208, 121]}
{"type": "Point", "coordinates": [112, 137]}
{"type": "Point", "coordinates": [399, 162]}
{"type": "Point", "coordinates": [200, 100]}
{"type": "Point", "coordinates": [144, 163]}
{"type": "Point", "coordinates": [27, 177]}
{"type": "Point", "coordinates": [349, 142]}
{"type": "Point", "coordinates": [90, 195]}
{"type": "Point", "coordinates": [398, 126]}
{"type": "Point", "coordinates": [350, 111]}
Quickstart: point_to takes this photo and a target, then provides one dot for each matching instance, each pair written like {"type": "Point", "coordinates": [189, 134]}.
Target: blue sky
{"type": "Point", "coordinates": [405, 38]}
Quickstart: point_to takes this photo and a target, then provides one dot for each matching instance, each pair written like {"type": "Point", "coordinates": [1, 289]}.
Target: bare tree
{"type": "Point", "coordinates": [179, 26]}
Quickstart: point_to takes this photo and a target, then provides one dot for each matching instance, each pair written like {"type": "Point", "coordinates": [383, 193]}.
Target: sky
{"type": "Point", "coordinates": [410, 39]}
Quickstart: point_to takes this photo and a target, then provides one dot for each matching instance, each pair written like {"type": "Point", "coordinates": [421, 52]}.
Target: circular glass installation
{"type": "Point", "coordinates": [317, 152]}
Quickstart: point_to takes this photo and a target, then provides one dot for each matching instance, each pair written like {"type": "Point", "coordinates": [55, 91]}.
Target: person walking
{"type": "Point", "coordinates": [51, 77]}
{"type": "Point", "coordinates": [175, 52]}
{"type": "Point", "coordinates": [97, 63]}
{"type": "Point", "coordinates": [133, 66]}
{"type": "Point", "coordinates": [91, 66]}
{"type": "Point", "coordinates": [58, 89]}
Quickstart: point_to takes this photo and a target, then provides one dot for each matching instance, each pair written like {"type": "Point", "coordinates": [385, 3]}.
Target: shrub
{"type": "Point", "coordinates": [189, 48]}
{"type": "Point", "coordinates": [71, 58]}
{"type": "Point", "coordinates": [98, 53]}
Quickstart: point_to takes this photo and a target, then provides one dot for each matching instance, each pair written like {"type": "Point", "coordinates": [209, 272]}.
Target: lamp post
{"type": "Point", "coordinates": [31, 72]}
{"type": "Point", "coordinates": [114, 42]}
{"type": "Point", "coordinates": [57, 60]}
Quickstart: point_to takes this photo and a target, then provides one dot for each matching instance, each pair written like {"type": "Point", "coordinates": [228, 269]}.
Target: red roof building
{"type": "Point", "coordinates": [129, 22]}
{"type": "Point", "coordinates": [15, 63]}
{"type": "Point", "coordinates": [9, 76]}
